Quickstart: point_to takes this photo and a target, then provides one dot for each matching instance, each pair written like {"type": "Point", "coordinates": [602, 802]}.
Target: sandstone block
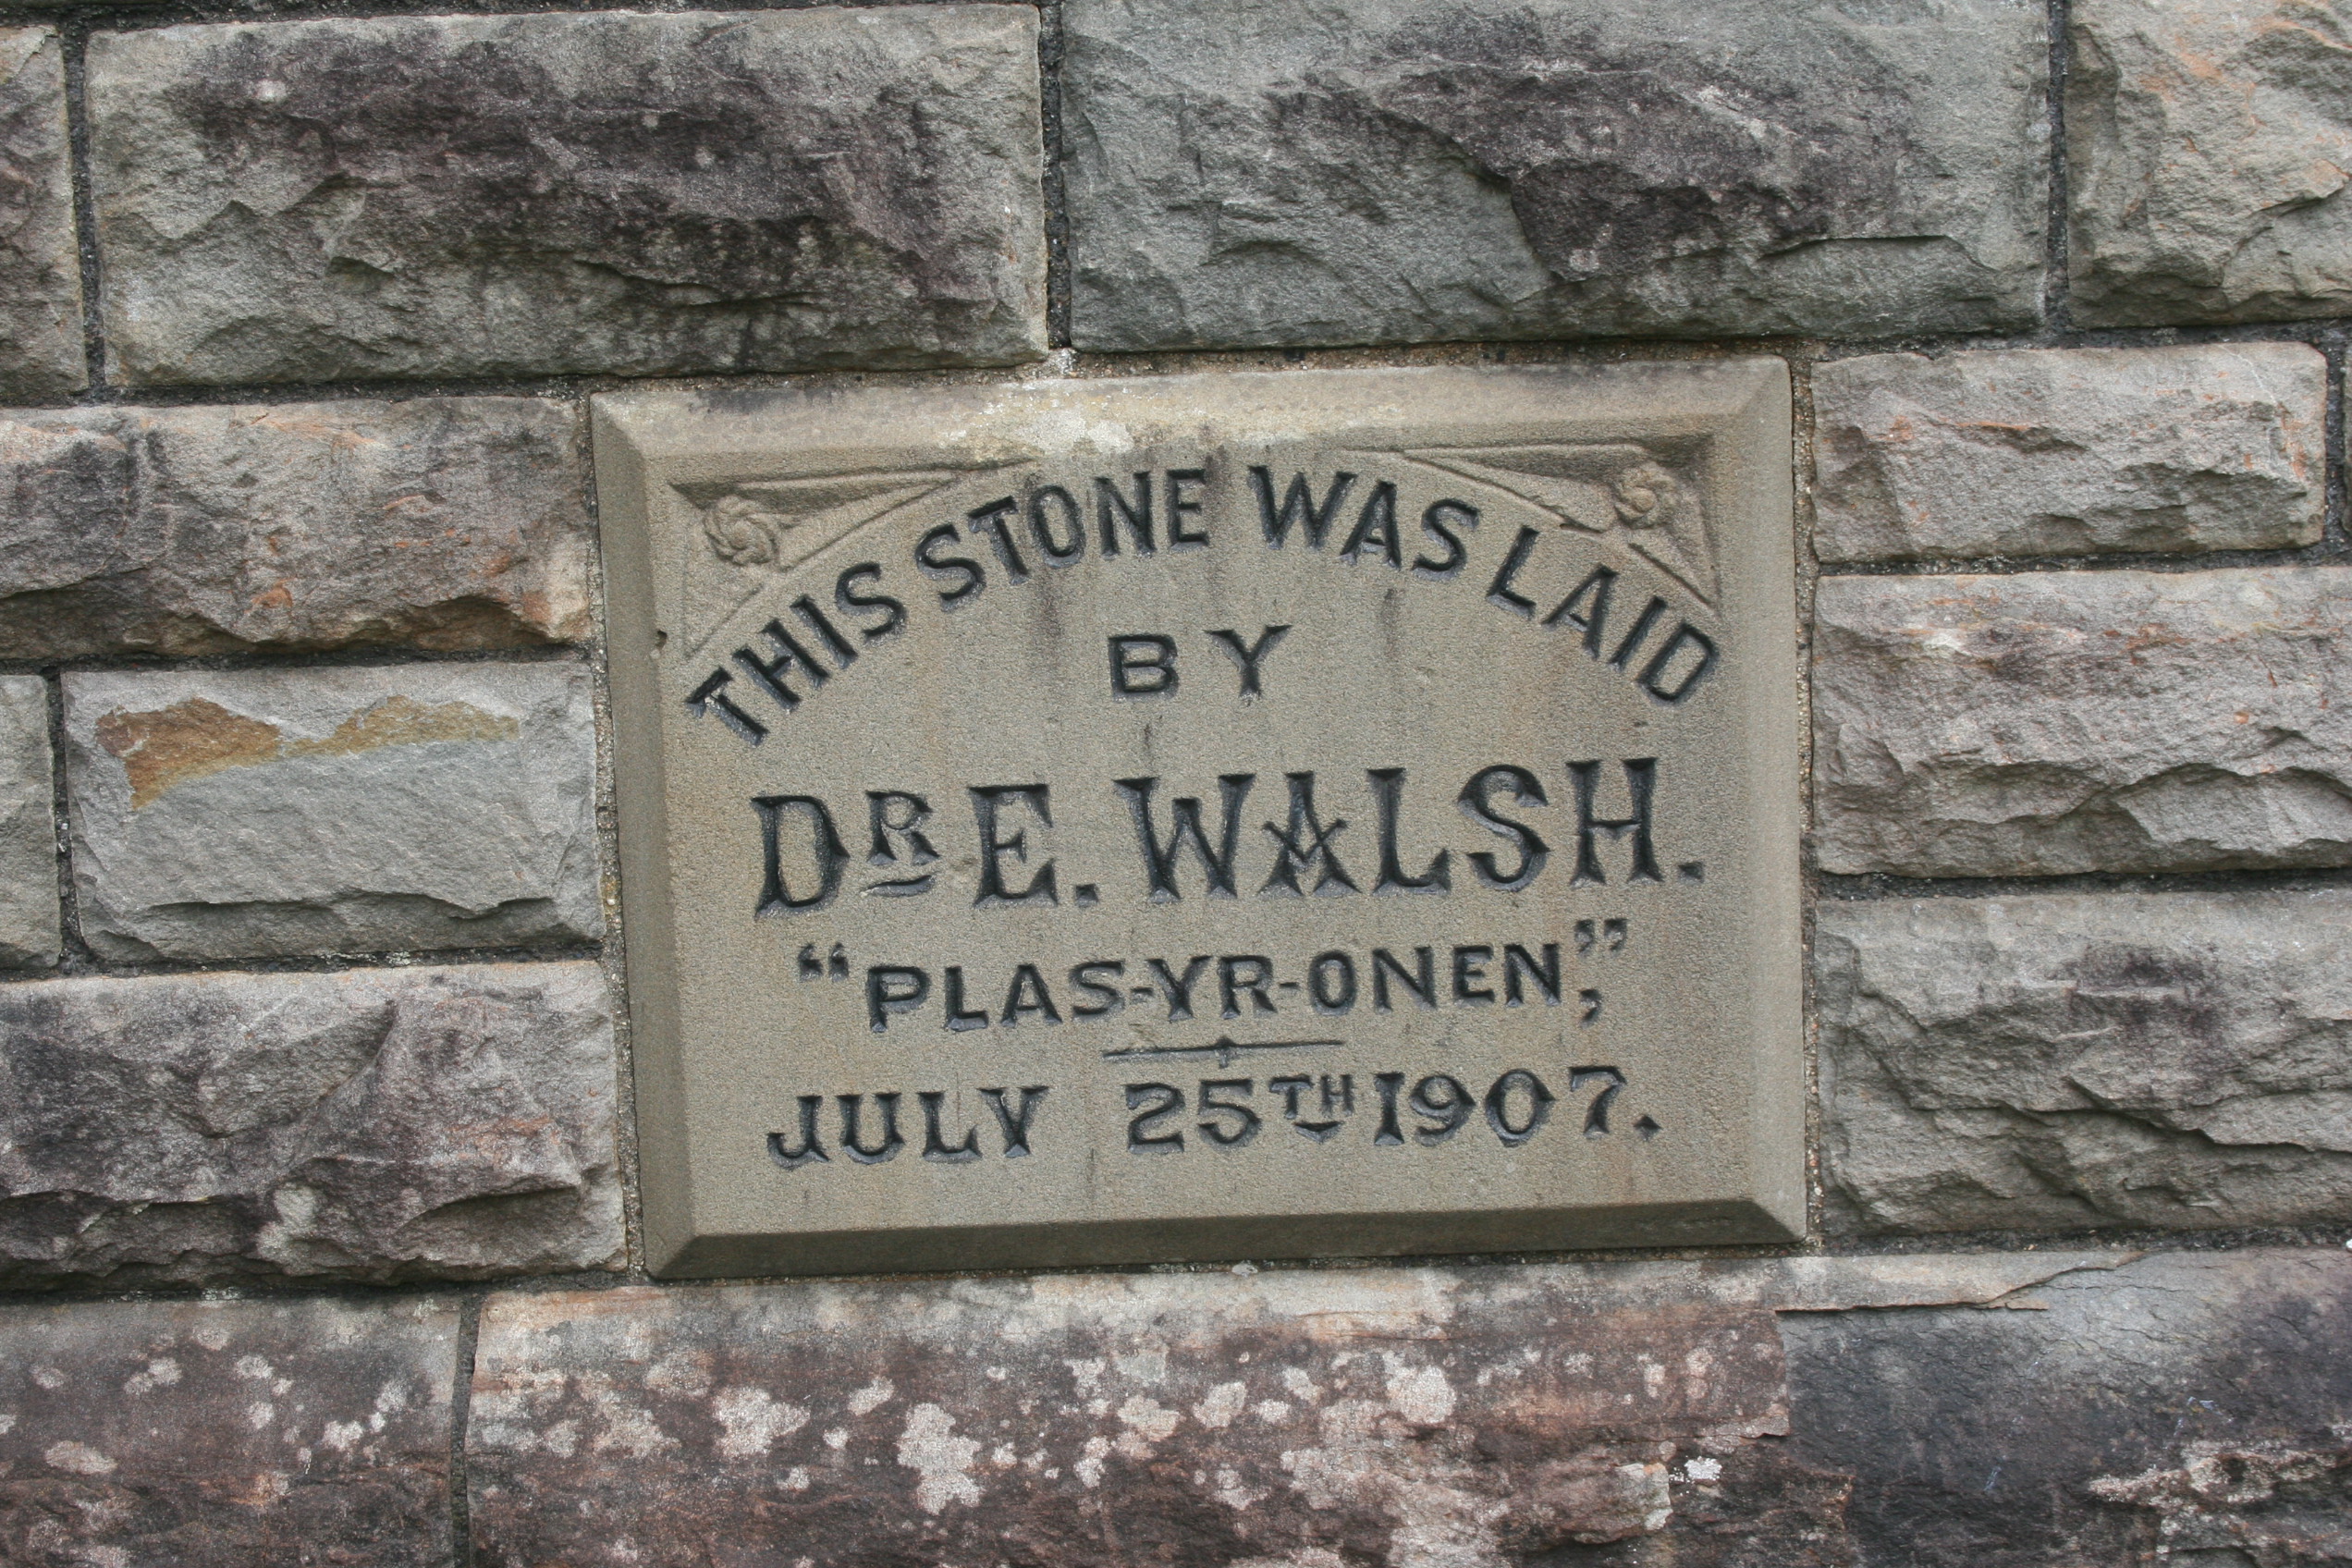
{"type": "Point", "coordinates": [2070, 451]}
{"type": "Point", "coordinates": [1479, 1418]}
{"type": "Point", "coordinates": [41, 343]}
{"type": "Point", "coordinates": [438, 523]}
{"type": "Point", "coordinates": [2080, 1060]}
{"type": "Point", "coordinates": [370, 1125]}
{"type": "Point", "coordinates": [2185, 1408]}
{"type": "Point", "coordinates": [407, 808]}
{"type": "Point", "coordinates": [605, 193]}
{"type": "Point", "coordinates": [2206, 145]}
{"type": "Point", "coordinates": [29, 925]}
{"type": "Point", "coordinates": [1408, 170]}
{"type": "Point", "coordinates": [2054, 722]}
{"type": "Point", "coordinates": [227, 1434]}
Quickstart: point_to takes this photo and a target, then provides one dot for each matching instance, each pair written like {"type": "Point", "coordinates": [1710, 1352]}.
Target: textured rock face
{"type": "Point", "coordinates": [1477, 1418]}
{"type": "Point", "coordinates": [2207, 141]}
{"type": "Point", "coordinates": [2069, 452]}
{"type": "Point", "coordinates": [28, 929]}
{"type": "Point", "coordinates": [41, 345]}
{"type": "Point", "coordinates": [441, 522]}
{"type": "Point", "coordinates": [2176, 1061]}
{"type": "Point", "coordinates": [371, 1124]}
{"type": "Point", "coordinates": [605, 193]}
{"type": "Point", "coordinates": [227, 1434]}
{"type": "Point", "coordinates": [2054, 722]}
{"type": "Point", "coordinates": [2190, 1409]}
{"type": "Point", "coordinates": [410, 808]}
{"type": "Point", "coordinates": [1407, 170]}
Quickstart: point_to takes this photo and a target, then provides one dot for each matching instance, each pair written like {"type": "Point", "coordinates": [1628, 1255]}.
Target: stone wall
{"type": "Point", "coordinates": [315, 1189]}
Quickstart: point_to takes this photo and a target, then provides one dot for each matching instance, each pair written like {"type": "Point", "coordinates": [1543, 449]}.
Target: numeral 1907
{"type": "Point", "coordinates": [1229, 1115]}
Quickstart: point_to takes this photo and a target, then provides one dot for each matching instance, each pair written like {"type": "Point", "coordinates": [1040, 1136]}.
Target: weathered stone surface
{"type": "Point", "coordinates": [226, 1434]}
{"type": "Point", "coordinates": [2053, 722]}
{"type": "Point", "coordinates": [41, 343]}
{"type": "Point", "coordinates": [2207, 141]}
{"type": "Point", "coordinates": [608, 192]}
{"type": "Point", "coordinates": [438, 523]}
{"type": "Point", "coordinates": [370, 1125]}
{"type": "Point", "coordinates": [1407, 170]}
{"type": "Point", "coordinates": [28, 924]}
{"type": "Point", "coordinates": [407, 808]}
{"type": "Point", "coordinates": [2070, 451]}
{"type": "Point", "coordinates": [1475, 1418]}
{"type": "Point", "coordinates": [2190, 1409]}
{"type": "Point", "coordinates": [2079, 1061]}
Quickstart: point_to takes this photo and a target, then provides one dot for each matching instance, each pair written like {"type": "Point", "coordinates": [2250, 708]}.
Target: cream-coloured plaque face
{"type": "Point", "coordinates": [1206, 816]}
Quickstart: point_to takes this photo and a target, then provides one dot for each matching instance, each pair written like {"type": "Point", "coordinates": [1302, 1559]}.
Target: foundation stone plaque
{"type": "Point", "coordinates": [1209, 816]}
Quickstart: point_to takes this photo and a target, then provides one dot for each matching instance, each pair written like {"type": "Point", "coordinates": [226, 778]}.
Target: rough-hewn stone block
{"type": "Point", "coordinates": [2078, 1060]}
{"type": "Point", "coordinates": [2188, 1409]}
{"type": "Point", "coordinates": [371, 1124]}
{"type": "Point", "coordinates": [439, 522]}
{"type": "Point", "coordinates": [226, 1434]}
{"type": "Point", "coordinates": [1468, 1418]}
{"type": "Point", "coordinates": [407, 808]}
{"type": "Point", "coordinates": [1407, 170]}
{"type": "Point", "coordinates": [2054, 722]}
{"type": "Point", "coordinates": [2070, 451]}
{"type": "Point", "coordinates": [2207, 141]}
{"type": "Point", "coordinates": [41, 343]}
{"type": "Point", "coordinates": [28, 924]}
{"type": "Point", "coordinates": [614, 192]}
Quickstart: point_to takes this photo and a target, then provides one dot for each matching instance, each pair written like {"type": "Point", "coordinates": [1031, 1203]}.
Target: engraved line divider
{"type": "Point", "coordinates": [1223, 1048]}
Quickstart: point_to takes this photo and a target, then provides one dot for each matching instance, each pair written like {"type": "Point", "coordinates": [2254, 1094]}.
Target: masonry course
{"type": "Point", "coordinates": [446, 523]}
{"type": "Point", "coordinates": [371, 1124]}
{"type": "Point", "coordinates": [2072, 1062]}
{"type": "Point", "coordinates": [317, 201]}
{"type": "Point", "coordinates": [1748, 1412]}
{"type": "Point", "coordinates": [2043, 723]}
{"type": "Point", "coordinates": [2070, 451]}
{"type": "Point", "coordinates": [1410, 171]}
{"type": "Point", "coordinates": [2206, 144]}
{"type": "Point", "coordinates": [40, 344]}
{"type": "Point", "coordinates": [270, 812]}
{"type": "Point", "coordinates": [223, 1434]}
{"type": "Point", "coordinates": [29, 931]}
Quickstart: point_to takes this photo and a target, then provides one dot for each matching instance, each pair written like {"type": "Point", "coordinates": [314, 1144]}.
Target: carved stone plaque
{"type": "Point", "coordinates": [1209, 816]}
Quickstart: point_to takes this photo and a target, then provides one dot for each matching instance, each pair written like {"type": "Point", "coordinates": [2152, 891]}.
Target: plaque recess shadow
{"type": "Point", "coordinates": [1209, 817]}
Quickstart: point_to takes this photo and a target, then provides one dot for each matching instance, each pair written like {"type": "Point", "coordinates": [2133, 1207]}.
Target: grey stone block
{"type": "Point", "coordinates": [227, 1434]}
{"type": "Point", "coordinates": [409, 808]}
{"type": "Point", "coordinates": [28, 924]}
{"type": "Point", "coordinates": [2054, 722]}
{"type": "Point", "coordinates": [603, 193]}
{"type": "Point", "coordinates": [2207, 141]}
{"type": "Point", "coordinates": [40, 341]}
{"type": "Point", "coordinates": [371, 1124]}
{"type": "Point", "coordinates": [1630, 1413]}
{"type": "Point", "coordinates": [2079, 1061]}
{"type": "Point", "coordinates": [438, 523]}
{"type": "Point", "coordinates": [2188, 1409]}
{"type": "Point", "coordinates": [1408, 170]}
{"type": "Point", "coordinates": [2070, 451]}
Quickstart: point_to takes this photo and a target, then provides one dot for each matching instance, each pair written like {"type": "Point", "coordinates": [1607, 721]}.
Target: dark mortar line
{"type": "Point", "coordinates": [83, 963]}
{"type": "Point", "coordinates": [1049, 60]}
{"type": "Point", "coordinates": [72, 949]}
{"type": "Point", "coordinates": [73, 40]}
{"type": "Point", "coordinates": [461, 1415]}
{"type": "Point", "coordinates": [135, 18]}
{"type": "Point", "coordinates": [2329, 551]}
{"type": "Point", "coordinates": [1849, 888]}
{"type": "Point", "coordinates": [2056, 286]}
{"type": "Point", "coordinates": [358, 656]}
